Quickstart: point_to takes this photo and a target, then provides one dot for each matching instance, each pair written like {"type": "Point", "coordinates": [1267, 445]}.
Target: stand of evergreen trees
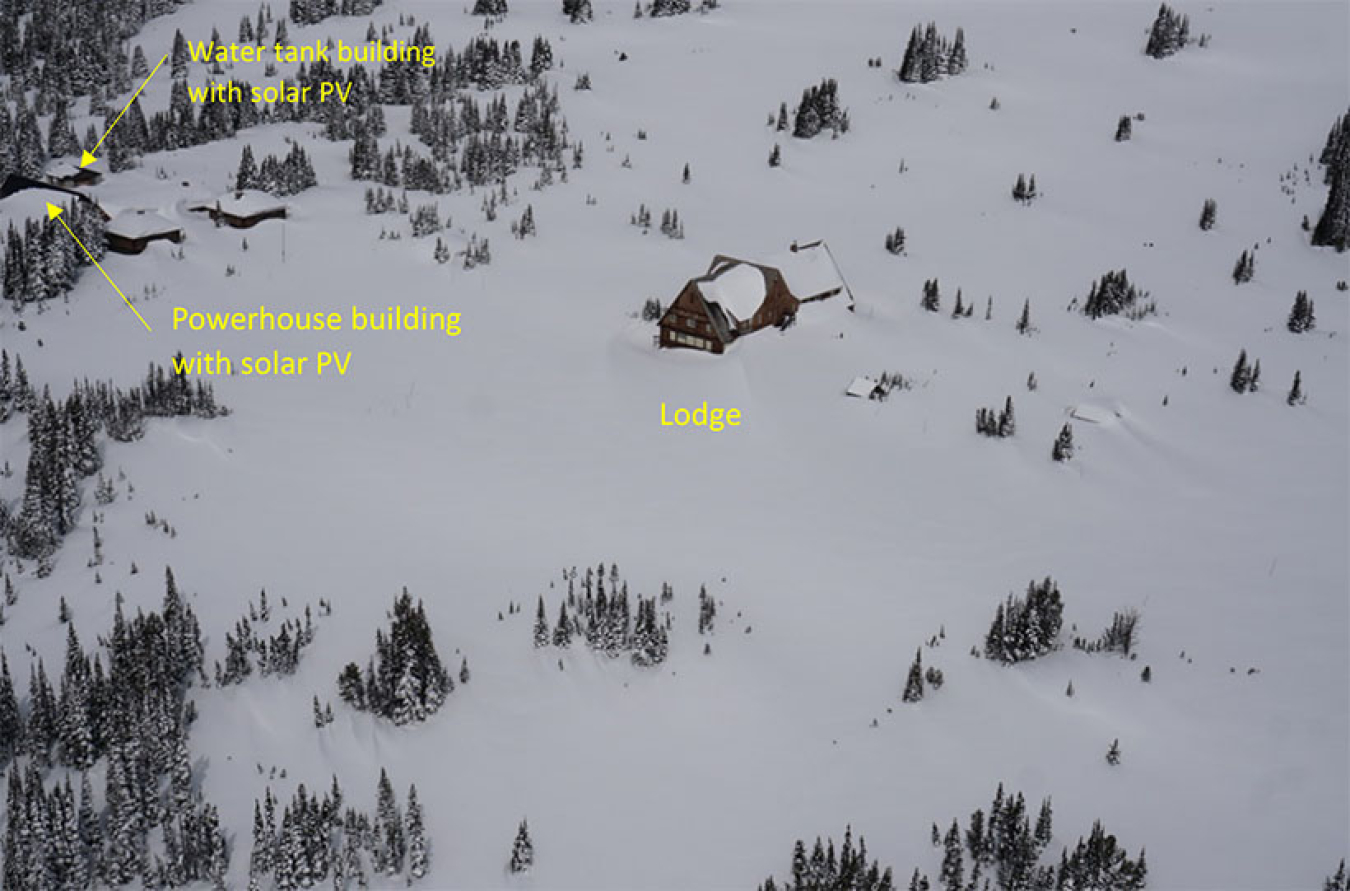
{"type": "Point", "coordinates": [1026, 627]}
{"type": "Point", "coordinates": [604, 620]}
{"type": "Point", "coordinates": [1000, 424]}
{"type": "Point", "coordinates": [1121, 636]}
{"type": "Point", "coordinates": [43, 262]}
{"type": "Point", "coordinates": [1170, 32]}
{"type": "Point", "coordinates": [275, 654]}
{"type": "Point", "coordinates": [405, 682]}
{"type": "Point", "coordinates": [577, 11]}
{"type": "Point", "coordinates": [1114, 294]}
{"type": "Point", "coordinates": [123, 709]}
{"type": "Point", "coordinates": [1333, 227]}
{"type": "Point", "coordinates": [67, 48]}
{"type": "Point", "coordinates": [1024, 191]}
{"type": "Point", "coordinates": [63, 442]}
{"type": "Point", "coordinates": [285, 176]}
{"type": "Point", "coordinates": [823, 868]}
{"type": "Point", "coordinates": [310, 12]}
{"type": "Point", "coordinates": [1002, 849]}
{"type": "Point", "coordinates": [929, 56]}
{"type": "Point", "coordinates": [325, 840]}
{"type": "Point", "coordinates": [819, 110]}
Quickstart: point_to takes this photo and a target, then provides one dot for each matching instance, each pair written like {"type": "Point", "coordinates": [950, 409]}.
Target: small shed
{"type": "Point", "coordinates": [67, 175]}
{"type": "Point", "coordinates": [244, 209]}
{"type": "Point", "coordinates": [866, 388]}
{"type": "Point", "coordinates": [130, 231]}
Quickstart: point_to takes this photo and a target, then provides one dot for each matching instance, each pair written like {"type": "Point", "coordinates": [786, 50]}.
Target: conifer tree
{"type": "Point", "coordinates": [1338, 882]}
{"type": "Point", "coordinates": [419, 856]}
{"type": "Point", "coordinates": [1208, 214]}
{"type": "Point", "coordinates": [522, 850]}
{"type": "Point", "coordinates": [952, 875]}
{"type": "Point", "coordinates": [11, 722]}
{"type": "Point", "coordinates": [932, 298]}
{"type": "Point", "coordinates": [1063, 447]}
{"type": "Point", "coordinates": [914, 682]}
{"type": "Point", "coordinates": [1296, 395]}
{"type": "Point", "coordinates": [1301, 316]}
{"type": "Point", "coordinates": [1241, 377]}
{"type": "Point", "coordinates": [541, 634]}
{"type": "Point", "coordinates": [1333, 226]}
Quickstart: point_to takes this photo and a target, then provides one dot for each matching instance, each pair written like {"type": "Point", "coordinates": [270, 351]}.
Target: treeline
{"type": "Point", "coordinates": [63, 442]}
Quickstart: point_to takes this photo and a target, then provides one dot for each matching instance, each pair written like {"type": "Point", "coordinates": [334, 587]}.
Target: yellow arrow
{"type": "Point", "coordinates": [88, 158]}
{"type": "Point", "coordinates": [54, 213]}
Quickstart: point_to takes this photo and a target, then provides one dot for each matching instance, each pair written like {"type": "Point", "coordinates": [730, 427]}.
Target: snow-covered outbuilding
{"type": "Point", "coordinates": [130, 231]}
{"type": "Point", "coordinates": [736, 297]}
{"type": "Point", "coordinates": [243, 209]}
{"type": "Point", "coordinates": [62, 172]}
{"type": "Point", "coordinates": [866, 388]}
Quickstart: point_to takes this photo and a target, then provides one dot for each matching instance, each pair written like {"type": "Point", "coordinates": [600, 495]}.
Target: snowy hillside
{"type": "Point", "coordinates": [836, 536]}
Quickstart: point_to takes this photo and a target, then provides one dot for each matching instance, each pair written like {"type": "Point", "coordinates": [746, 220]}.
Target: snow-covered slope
{"type": "Point", "coordinates": [838, 534]}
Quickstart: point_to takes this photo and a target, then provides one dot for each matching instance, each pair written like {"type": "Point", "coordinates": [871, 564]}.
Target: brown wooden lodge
{"type": "Point", "coordinates": [736, 297]}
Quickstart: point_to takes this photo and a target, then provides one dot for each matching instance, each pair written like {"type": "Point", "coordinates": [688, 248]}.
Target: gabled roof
{"type": "Point", "coordinates": [739, 289]}
{"type": "Point", "coordinates": [249, 202]}
{"type": "Point", "coordinates": [141, 224]}
{"type": "Point", "coordinates": [61, 169]}
{"type": "Point", "coordinates": [67, 168]}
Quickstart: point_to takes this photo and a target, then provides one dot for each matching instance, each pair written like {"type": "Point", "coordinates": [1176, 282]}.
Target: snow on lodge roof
{"type": "Point", "coordinates": [136, 224]}
{"type": "Point", "coordinates": [810, 272]}
{"type": "Point", "coordinates": [738, 288]}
